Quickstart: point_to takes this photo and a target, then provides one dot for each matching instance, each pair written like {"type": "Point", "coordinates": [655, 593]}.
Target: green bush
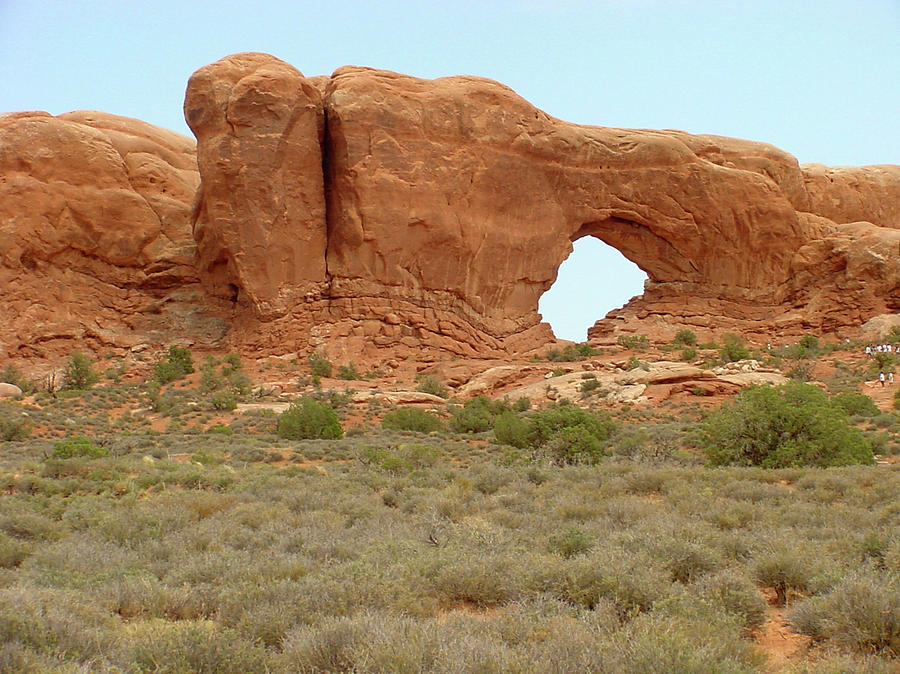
{"type": "Point", "coordinates": [78, 446]}
{"type": "Point", "coordinates": [319, 365]}
{"type": "Point", "coordinates": [348, 372]}
{"type": "Point", "coordinates": [412, 419]}
{"type": "Point", "coordinates": [476, 415]}
{"type": "Point", "coordinates": [778, 427]}
{"type": "Point", "coordinates": [14, 428]}
{"type": "Point", "coordinates": [733, 349]}
{"type": "Point", "coordinates": [223, 400]}
{"type": "Point", "coordinates": [11, 375]}
{"type": "Point", "coordinates": [570, 543]}
{"type": "Point", "coordinates": [79, 373]}
{"type": "Point", "coordinates": [177, 364]}
{"type": "Point", "coordinates": [636, 342]}
{"type": "Point", "coordinates": [511, 429]}
{"type": "Point", "coordinates": [688, 354]}
{"type": "Point", "coordinates": [856, 404]}
{"type": "Point", "coordinates": [433, 385]}
{"type": "Point", "coordinates": [546, 423]}
{"type": "Point", "coordinates": [308, 419]}
{"type": "Point", "coordinates": [574, 445]}
{"type": "Point", "coordinates": [571, 353]}
{"type": "Point", "coordinates": [685, 338]}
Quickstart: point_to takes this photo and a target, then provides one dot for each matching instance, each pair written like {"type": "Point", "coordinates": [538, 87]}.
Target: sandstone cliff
{"type": "Point", "coordinates": [371, 212]}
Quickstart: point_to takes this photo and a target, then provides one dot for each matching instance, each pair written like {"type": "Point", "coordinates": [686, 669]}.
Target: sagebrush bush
{"type": "Point", "coordinates": [861, 613]}
{"type": "Point", "coordinates": [434, 386]}
{"type": "Point", "coordinates": [308, 419]}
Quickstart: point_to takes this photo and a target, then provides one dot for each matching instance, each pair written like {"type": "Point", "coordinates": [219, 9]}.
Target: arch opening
{"type": "Point", "coordinates": [592, 281]}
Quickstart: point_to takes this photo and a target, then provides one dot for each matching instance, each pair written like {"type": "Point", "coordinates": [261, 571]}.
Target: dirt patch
{"type": "Point", "coordinates": [776, 638]}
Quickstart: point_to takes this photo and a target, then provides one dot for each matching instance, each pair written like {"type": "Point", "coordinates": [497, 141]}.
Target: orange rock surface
{"type": "Point", "coordinates": [371, 213]}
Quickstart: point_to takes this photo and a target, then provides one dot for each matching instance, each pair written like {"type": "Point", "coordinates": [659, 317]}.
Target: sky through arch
{"type": "Point", "coordinates": [595, 279]}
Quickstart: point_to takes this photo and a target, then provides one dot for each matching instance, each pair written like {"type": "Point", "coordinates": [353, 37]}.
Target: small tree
{"type": "Point", "coordinates": [319, 365]}
{"type": "Point", "coordinates": [794, 424]}
{"type": "Point", "coordinates": [79, 375]}
{"type": "Point", "coordinates": [685, 338]}
{"type": "Point", "coordinates": [309, 419]}
{"type": "Point", "coordinates": [177, 364]}
{"type": "Point", "coordinates": [733, 349]}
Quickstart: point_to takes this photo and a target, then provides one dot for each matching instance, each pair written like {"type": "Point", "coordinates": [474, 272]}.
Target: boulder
{"type": "Point", "coordinates": [9, 391]}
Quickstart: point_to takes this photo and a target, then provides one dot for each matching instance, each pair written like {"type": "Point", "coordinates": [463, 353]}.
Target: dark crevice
{"type": "Point", "coordinates": [327, 184]}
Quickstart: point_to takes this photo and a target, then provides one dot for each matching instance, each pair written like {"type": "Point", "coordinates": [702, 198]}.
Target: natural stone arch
{"type": "Point", "coordinates": [594, 280]}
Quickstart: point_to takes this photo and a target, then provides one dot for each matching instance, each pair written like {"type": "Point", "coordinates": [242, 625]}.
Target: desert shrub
{"type": "Point", "coordinates": [861, 613]}
{"type": "Point", "coordinates": [736, 594]}
{"type": "Point", "coordinates": [348, 372]}
{"type": "Point", "coordinates": [574, 444]}
{"type": "Point", "coordinates": [319, 365]}
{"type": "Point", "coordinates": [523, 404]}
{"type": "Point", "coordinates": [511, 429]}
{"type": "Point", "coordinates": [14, 427]}
{"type": "Point", "coordinates": [688, 354]}
{"type": "Point", "coordinates": [856, 404]}
{"type": "Point", "coordinates": [79, 373]}
{"type": "Point", "coordinates": [733, 349]}
{"type": "Point", "coordinates": [226, 383]}
{"type": "Point", "coordinates": [178, 363]}
{"type": "Point", "coordinates": [78, 446]}
{"type": "Point", "coordinates": [784, 571]}
{"type": "Point", "coordinates": [777, 427]}
{"type": "Point", "coordinates": [223, 400]}
{"type": "Point", "coordinates": [402, 458]}
{"type": "Point", "coordinates": [11, 375]}
{"type": "Point", "coordinates": [476, 415]}
{"type": "Point", "coordinates": [433, 385]}
{"type": "Point", "coordinates": [635, 342]}
{"type": "Point", "coordinates": [546, 423]}
{"type": "Point", "coordinates": [588, 385]}
{"type": "Point", "coordinates": [685, 338]}
{"type": "Point", "coordinates": [571, 353]}
{"type": "Point", "coordinates": [412, 419]}
{"type": "Point", "coordinates": [191, 646]}
{"type": "Point", "coordinates": [308, 419]}
{"type": "Point", "coordinates": [570, 543]}
{"type": "Point", "coordinates": [687, 561]}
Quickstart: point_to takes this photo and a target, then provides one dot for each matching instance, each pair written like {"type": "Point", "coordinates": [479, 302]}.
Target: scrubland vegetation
{"type": "Point", "coordinates": [489, 537]}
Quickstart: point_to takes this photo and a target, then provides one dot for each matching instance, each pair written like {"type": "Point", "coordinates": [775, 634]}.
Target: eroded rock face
{"type": "Point", "coordinates": [371, 214]}
{"type": "Point", "coordinates": [95, 237]}
{"type": "Point", "coordinates": [260, 224]}
{"type": "Point", "coordinates": [451, 203]}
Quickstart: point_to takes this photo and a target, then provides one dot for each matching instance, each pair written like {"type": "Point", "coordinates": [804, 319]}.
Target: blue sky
{"type": "Point", "coordinates": [820, 79]}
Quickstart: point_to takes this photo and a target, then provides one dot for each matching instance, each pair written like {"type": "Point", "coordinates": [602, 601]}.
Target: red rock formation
{"type": "Point", "coordinates": [372, 213]}
{"type": "Point", "coordinates": [95, 238]}
{"type": "Point", "coordinates": [260, 227]}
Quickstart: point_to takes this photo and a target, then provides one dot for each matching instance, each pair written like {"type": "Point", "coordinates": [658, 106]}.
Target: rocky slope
{"type": "Point", "coordinates": [372, 214]}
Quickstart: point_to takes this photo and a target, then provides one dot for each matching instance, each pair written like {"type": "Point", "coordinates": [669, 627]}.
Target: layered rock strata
{"type": "Point", "coordinates": [371, 212]}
